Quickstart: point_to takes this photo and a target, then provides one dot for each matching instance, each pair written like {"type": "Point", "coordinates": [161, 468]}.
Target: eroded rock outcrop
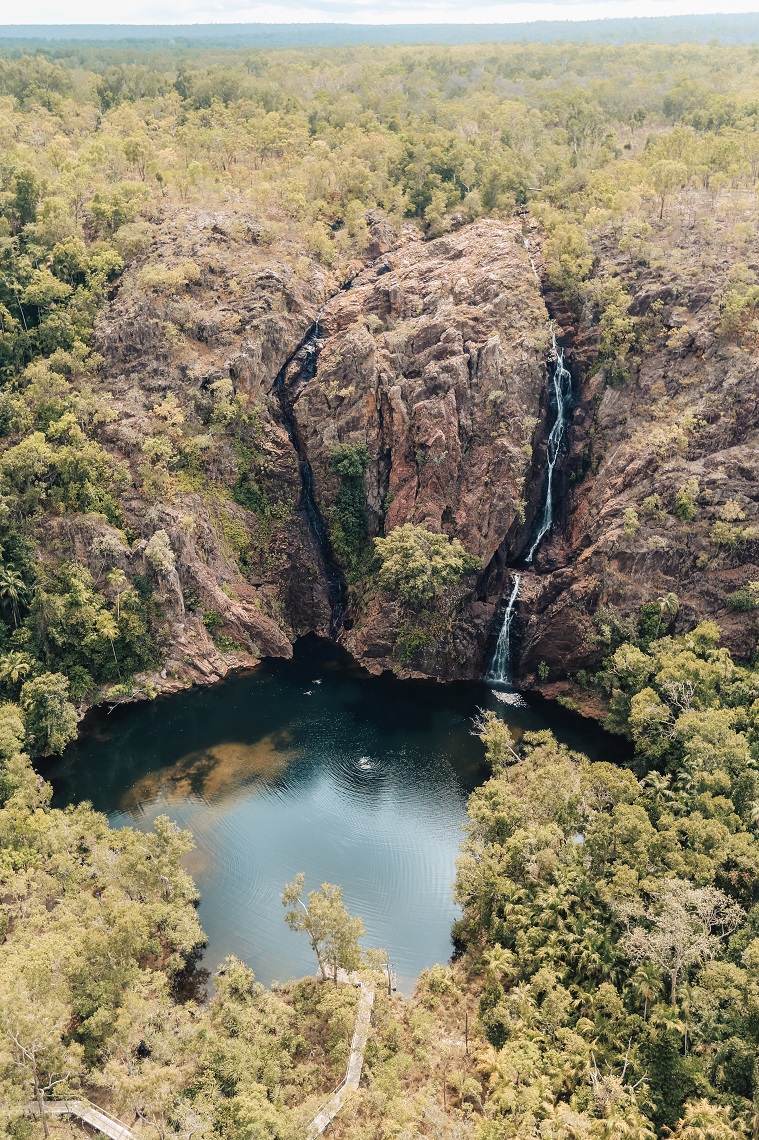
{"type": "Point", "coordinates": [661, 485]}
{"type": "Point", "coordinates": [434, 359]}
{"type": "Point", "coordinates": [234, 369]}
{"type": "Point", "coordinates": [227, 401]}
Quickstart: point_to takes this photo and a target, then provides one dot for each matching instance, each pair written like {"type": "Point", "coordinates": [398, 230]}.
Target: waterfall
{"type": "Point", "coordinates": [308, 350]}
{"type": "Point", "coordinates": [562, 386]}
{"type": "Point", "coordinates": [535, 273]}
{"type": "Point", "coordinates": [499, 672]}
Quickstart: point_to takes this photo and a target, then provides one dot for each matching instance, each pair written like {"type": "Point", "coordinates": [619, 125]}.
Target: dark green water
{"type": "Point", "coordinates": [306, 765]}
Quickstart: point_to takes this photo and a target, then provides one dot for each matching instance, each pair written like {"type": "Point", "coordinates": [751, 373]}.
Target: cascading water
{"type": "Point", "coordinates": [333, 577]}
{"type": "Point", "coordinates": [562, 387]}
{"type": "Point", "coordinates": [499, 672]}
{"type": "Point", "coordinates": [535, 273]}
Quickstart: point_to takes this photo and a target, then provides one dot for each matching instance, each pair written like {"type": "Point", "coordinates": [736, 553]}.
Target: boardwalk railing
{"type": "Point", "coordinates": [96, 1117]}
{"type": "Point", "coordinates": [329, 1111]}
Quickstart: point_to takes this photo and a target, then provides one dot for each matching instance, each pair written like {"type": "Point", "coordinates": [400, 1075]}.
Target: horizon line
{"type": "Point", "coordinates": [569, 18]}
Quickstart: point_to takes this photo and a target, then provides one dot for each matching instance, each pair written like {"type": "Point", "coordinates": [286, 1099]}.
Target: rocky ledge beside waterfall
{"type": "Point", "coordinates": [434, 359]}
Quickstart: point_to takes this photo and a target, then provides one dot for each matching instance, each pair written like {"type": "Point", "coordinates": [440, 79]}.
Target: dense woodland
{"type": "Point", "coordinates": [609, 950]}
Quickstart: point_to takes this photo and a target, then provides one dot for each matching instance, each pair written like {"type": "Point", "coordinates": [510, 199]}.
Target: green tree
{"type": "Point", "coordinates": [31, 1037]}
{"type": "Point", "coordinates": [680, 929]}
{"type": "Point", "coordinates": [668, 176]}
{"type": "Point", "coordinates": [332, 932]}
{"type": "Point", "coordinates": [417, 565]}
{"type": "Point", "coordinates": [13, 591]}
{"type": "Point", "coordinates": [50, 718]}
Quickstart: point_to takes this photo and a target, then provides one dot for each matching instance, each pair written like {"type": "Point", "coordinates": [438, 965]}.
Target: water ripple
{"type": "Point", "coordinates": [362, 783]}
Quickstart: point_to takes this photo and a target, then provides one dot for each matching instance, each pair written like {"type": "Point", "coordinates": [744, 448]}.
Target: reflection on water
{"type": "Point", "coordinates": [213, 772]}
{"type": "Point", "coordinates": [304, 765]}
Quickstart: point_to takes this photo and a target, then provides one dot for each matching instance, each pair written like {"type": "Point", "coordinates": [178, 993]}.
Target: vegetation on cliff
{"type": "Point", "coordinates": [313, 155]}
{"type": "Point", "coordinates": [607, 982]}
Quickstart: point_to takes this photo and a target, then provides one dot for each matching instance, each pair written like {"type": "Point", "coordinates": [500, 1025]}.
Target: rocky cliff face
{"type": "Point", "coordinates": [235, 369]}
{"type": "Point", "coordinates": [434, 359]}
{"type": "Point", "coordinates": [228, 398]}
{"type": "Point", "coordinates": [190, 368]}
{"type": "Point", "coordinates": [661, 484]}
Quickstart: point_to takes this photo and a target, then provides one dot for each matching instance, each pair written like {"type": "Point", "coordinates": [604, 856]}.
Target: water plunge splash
{"type": "Point", "coordinates": [499, 672]}
{"type": "Point", "coordinates": [562, 387]}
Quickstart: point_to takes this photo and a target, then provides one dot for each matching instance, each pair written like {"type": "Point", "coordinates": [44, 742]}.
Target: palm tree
{"type": "Point", "coordinates": [14, 666]}
{"type": "Point", "coordinates": [13, 590]}
{"type": "Point", "coordinates": [669, 604]}
{"type": "Point", "coordinates": [647, 984]}
{"type": "Point", "coordinates": [661, 786]}
{"type": "Point", "coordinates": [499, 961]}
{"type": "Point", "coordinates": [704, 1121]}
{"type": "Point", "coordinates": [118, 582]}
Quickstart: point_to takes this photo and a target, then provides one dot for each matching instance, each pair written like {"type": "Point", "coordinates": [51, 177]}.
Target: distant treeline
{"type": "Point", "coordinates": [742, 28]}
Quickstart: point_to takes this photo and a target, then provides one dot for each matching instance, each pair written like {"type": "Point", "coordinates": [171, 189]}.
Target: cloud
{"type": "Point", "coordinates": [370, 11]}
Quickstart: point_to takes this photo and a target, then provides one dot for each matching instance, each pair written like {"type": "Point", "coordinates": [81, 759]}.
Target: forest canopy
{"type": "Point", "coordinates": [609, 944]}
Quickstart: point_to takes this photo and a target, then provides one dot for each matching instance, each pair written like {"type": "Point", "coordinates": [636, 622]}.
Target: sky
{"type": "Point", "coordinates": [352, 11]}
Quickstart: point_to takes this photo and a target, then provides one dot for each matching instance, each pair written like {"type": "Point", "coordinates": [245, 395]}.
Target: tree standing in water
{"type": "Point", "coordinates": [332, 931]}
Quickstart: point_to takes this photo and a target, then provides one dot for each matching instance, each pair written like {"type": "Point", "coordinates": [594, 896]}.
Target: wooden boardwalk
{"type": "Point", "coordinates": [100, 1120]}
{"type": "Point", "coordinates": [89, 1113]}
{"type": "Point", "coordinates": [330, 1110]}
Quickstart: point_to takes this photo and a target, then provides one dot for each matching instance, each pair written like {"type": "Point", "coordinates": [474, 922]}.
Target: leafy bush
{"type": "Point", "coordinates": [686, 500]}
{"type": "Point", "coordinates": [416, 564]}
{"type": "Point", "coordinates": [160, 279]}
{"type": "Point", "coordinates": [409, 641]}
{"type": "Point", "coordinates": [348, 518]}
{"type": "Point", "coordinates": [745, 599]}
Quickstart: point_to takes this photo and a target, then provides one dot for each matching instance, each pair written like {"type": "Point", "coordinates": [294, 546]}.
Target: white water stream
{"type": "Point", "coordinates": [499, 673]}
{"type": "Point", "coordinates": [562, 384]}
{"type": "Point", "coordinates": [535, 273]}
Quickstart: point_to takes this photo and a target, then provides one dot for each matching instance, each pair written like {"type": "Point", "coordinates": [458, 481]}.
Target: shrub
{"type": "Point", "coordinates": [409, 641]}
{"type": "Point", "coordinates": [685, 501]}
{"type": "Point", "coordinates": [631, 521]}
{"type": "Point", "coordinates": [739, 303]}
{"type": "Point", "coordinates": [652, 506]}
{"type": "Point", "coordinates": [727, 531]}
{"type": "Point", "coordinates": [236, 537]}
{"type": "Point", "coordinates": [349, 461]}
{"type": "Point", "coordinates": [212, 620]}
{"type": "Point", "coordinates": [417, 564]}
{"type": "Point", "coordinates": [132, 239]}
{"type": "Point", "coordinates": [159, 553]}
{"type": "Point", "coordinates": [159, 279]}
{"type": "Point", "coordinates": [745, 599]}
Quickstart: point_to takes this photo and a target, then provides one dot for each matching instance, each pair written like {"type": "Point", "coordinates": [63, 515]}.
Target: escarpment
{"type": "Point", "coordinates": [433, 361]}
{"type": "Point", "coordinates": [660, 504]}
{"type": "Point", "coordinates": [275, 419]}
{"type": "Point", "coordinates": [235, 371]}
